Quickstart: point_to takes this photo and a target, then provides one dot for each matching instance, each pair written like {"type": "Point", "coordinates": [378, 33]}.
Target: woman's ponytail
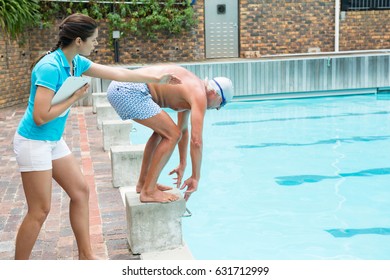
{"type": "Point", "coordinates": [53, 49]}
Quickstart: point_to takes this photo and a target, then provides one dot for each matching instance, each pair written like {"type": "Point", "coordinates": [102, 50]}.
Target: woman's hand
{"type": "Point", "coordinates": [81, 92]}
{"type": "Point", "coordinates": [169, 79]}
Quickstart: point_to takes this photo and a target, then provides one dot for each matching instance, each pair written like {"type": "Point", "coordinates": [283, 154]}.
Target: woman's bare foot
{"type": "Point", "coordinates": [158, 186]}
{"type": "Point", "coordinates": [157, 196]}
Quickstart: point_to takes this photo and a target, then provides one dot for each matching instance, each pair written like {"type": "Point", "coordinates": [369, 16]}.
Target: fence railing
{"type": "Point", "coordinates": [348, 5]}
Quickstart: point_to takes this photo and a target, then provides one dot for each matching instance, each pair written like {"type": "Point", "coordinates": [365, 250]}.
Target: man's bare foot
{"type": "Point", "coordinates": [158, 186]}
{"type": "Point", "coordinates": [157, 196]}
{"type": "Point", "coordinates": [138, 188]}
{"type": "Point", "coordinates": [163, 187]}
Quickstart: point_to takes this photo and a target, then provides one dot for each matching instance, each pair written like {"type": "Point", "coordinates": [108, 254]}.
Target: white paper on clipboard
{"type": "Point", "coordinates": [70, 85]}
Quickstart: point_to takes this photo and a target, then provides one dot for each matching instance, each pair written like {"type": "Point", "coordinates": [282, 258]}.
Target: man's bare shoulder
{"type": "Point", "coordinates": [178, 70]}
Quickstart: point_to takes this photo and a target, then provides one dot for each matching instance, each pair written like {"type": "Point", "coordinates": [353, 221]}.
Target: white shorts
{"type": "Point", "coordinates": [37, 155]}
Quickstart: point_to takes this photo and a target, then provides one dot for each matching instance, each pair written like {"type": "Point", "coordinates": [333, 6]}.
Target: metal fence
{"type": "Point", "coordinates": [348, 5]}
{"type": "Point", "coordinates": [313, 76]}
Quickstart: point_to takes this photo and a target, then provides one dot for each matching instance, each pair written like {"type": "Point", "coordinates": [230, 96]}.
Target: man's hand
{"type": "Point", "coordinates": [179, 172]}
{"type": "Point", "coordinates": [192, 186]}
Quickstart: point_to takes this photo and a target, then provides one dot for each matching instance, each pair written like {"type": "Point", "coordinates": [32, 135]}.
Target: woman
{"type": "Point", "coordinates": [40, 150]}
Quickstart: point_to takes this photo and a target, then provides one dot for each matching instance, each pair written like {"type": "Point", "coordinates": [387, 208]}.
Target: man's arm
{"type": "Point", "coordinates": [196, 147]}
{"type": "Point", "coordinates": [196, 143]}
{"type": "Point", "coordinates": [182, 123]}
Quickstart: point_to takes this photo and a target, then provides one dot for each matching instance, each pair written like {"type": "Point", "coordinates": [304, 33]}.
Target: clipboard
{"type": "Point", "coordinates": [70, 85]}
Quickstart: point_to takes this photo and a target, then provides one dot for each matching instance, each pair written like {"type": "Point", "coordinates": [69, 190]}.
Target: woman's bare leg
{"type": "Point", "coordinates": [67, 173]}
{"type": "Point", "coordinates": [37, 187]}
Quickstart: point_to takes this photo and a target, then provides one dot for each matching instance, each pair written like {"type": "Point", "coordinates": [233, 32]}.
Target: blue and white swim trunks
{"type": "Point", "coordinates": [132, 100]}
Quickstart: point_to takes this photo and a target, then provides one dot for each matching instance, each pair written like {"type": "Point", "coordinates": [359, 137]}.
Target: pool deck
{"type": "Point", "coordinates": [56, 239]}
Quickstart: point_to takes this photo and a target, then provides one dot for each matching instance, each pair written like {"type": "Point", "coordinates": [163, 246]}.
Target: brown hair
{"type": "Point", "coordinates": [76, 25]}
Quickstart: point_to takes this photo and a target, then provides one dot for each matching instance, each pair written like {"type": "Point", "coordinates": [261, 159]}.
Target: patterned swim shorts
{"type": "Point", "coordinates": [132, 100]}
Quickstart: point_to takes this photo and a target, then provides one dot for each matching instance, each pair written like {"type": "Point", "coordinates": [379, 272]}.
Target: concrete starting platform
{"type": "Point", "coordinates": [105, 112]}
{"type": "Point", "coordinates": [126, 164]}
{"type": "Point", "coordinates": [154, 230]}
{"type": "Point", "coordinates": [116, 133]}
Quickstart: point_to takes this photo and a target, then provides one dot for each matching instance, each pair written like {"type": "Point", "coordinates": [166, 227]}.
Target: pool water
{"type": "Point", "coordinates": [302, 179]}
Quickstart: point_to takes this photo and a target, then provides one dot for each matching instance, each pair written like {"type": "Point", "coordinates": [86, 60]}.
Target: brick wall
{"type": "Point", "coordinates": [138, 50]}
{"type": "Point", "coordinates": [183, 47]}
{"type": "Point", "coordinates": [175, 48]}
{"type": "Point", "coordinates": [365, 30]}
{"type": "Point", "coordinates": [14, 72]}
{"type": "Point", "coordinates": [288, 27]}
{"type": "Point", "coordinates": [285, 26]}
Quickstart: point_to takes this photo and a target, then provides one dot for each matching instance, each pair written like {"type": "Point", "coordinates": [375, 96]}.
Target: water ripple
{"type": "Point", "coordinates": [301, 179]}
{"type": "Point", "coordinates": [321, 142]}
{"type": "Point", "coordinates": [349, 232]}
{"type": "Point", "coordinates": [225, 123]}
{"type": "Point", "coordinates": [335, 165]}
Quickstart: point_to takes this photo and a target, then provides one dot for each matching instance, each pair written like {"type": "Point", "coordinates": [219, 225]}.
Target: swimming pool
{"type": "Point", "coordinates": [292, 179]}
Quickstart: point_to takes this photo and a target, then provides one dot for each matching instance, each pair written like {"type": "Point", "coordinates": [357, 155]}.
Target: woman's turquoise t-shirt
{"type": "Point", "coordinates": [50, 72]}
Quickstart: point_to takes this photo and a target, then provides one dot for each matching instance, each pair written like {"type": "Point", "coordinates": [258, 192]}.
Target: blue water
{"type": "Point", "coordinates": [302, 179]}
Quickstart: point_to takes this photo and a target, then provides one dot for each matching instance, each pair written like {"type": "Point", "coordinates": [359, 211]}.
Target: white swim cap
{"type": "Point", "coordinates": [224, 87]}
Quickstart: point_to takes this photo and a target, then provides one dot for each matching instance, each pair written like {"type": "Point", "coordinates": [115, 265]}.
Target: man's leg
{"type": "Point", "coordinates": [150, 147]}
{"type": "Point", "coordinates": [157, 155]}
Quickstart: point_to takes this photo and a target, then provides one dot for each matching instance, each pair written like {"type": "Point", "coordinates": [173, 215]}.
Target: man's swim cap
{"type": "Point", "coordinates": [224, 87]}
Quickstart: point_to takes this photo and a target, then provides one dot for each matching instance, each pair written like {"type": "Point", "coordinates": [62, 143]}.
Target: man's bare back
{"type": "Point", "coordinates": [177, 97]}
